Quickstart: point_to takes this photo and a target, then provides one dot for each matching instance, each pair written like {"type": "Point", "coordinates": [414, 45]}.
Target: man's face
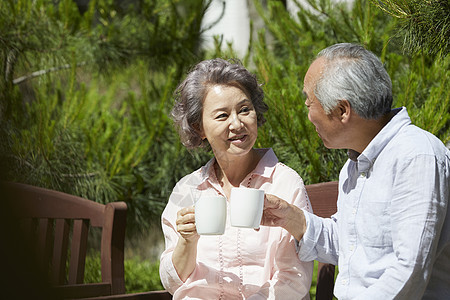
{"type": "Point", "coordinates": [328, 127]}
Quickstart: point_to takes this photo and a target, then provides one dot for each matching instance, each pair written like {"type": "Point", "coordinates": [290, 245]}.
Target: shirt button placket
{"type": "Point", "coordinates": [249, 181]}
{"type": "Point", "coordinates": [351, 217]}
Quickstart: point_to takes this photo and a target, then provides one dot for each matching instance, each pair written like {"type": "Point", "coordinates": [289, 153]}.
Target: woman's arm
{"type": "Point", "coordinates": [184, 255]}
{"type": "Point", "coordinates": [174, 263]}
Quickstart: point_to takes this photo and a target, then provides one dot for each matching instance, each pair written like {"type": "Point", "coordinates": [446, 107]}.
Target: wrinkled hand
{"type": "Point", "coordinates": [186, 224]}
{"type": "Point", "coordinates": [275, 211]}
{"type": "Point", "coordinates": [278, 212]}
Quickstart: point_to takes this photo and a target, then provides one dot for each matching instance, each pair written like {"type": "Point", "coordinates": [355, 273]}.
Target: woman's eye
{"type": "Point", "coordinates": [245, 109]}
{"type": "Point", "coordinates": [221, 116]}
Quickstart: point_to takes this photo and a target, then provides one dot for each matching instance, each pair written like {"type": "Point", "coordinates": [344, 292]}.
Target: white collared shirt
{"type": "Point", "coordinates": [391, 234]}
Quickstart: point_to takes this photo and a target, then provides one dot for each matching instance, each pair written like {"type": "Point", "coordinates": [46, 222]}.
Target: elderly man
{"type": "Point", "coordinates": [390, 236]}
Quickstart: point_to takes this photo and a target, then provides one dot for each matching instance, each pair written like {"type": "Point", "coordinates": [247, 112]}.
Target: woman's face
{"type": "Point", "coordinates": [229, 121]}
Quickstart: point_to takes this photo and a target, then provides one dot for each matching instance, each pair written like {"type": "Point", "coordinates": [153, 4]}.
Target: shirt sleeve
{"type": "Point", "coordinates": [320, 241]}
{"type": "Point", "coordinates": [418, 211]}
{"type": "Point", "coordinates": [291, 277]}
{"type": "Point", "coordinates": [169, 276]}
{"type": "Point", "coordinates": [179, 198]}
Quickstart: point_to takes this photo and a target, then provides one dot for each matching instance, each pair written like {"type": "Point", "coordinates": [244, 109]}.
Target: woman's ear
{"type": "Point", "coordinates": [199, 129]}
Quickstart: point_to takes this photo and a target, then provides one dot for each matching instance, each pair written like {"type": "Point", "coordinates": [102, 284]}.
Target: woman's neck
{"type": "Point", "coordinates": [230, 172]}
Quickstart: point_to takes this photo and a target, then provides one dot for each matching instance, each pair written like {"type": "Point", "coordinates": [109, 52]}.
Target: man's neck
{"type": "Point", "coordinates": [366, 130]}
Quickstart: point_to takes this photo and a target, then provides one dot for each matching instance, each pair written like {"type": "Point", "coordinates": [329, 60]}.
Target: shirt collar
{"type": "Point", "coordinates": [265, 167]}
{"type": "Point", "coordinates": [367, 158]}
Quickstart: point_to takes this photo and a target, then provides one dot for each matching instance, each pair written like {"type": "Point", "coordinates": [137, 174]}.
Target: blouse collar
{"type": "Point", "coordinates": [264, 168]}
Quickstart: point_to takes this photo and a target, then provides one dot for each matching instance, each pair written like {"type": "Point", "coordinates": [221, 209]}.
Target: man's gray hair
{"type": "Point", "coordinates": [354, 74]}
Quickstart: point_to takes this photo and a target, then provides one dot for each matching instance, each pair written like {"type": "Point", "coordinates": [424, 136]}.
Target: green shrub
{"type": "Point", "coordinates": [92, 270]}
{"type": "Point", "coordinates": [140, 275]}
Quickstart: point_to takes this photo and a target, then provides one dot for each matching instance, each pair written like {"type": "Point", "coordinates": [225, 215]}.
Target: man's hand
{"type": "Point", "coordinates": [278, 212]}
{"type": "Point", "coordinates": [275, 211]}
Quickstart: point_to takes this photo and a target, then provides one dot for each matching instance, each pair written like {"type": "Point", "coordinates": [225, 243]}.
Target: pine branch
{"type": "Point", "coordinates": [425, 24]}
{"type": "Point", "coordinates": [43, 72]}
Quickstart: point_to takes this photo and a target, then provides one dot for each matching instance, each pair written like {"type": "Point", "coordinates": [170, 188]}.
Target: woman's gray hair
{"type": "Point", "coordinates": [356, 75]}
{"type": "Point", "coordinates": [190, 94]}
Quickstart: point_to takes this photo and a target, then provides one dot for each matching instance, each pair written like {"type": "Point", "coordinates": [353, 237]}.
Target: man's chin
{"type": "Point", "coordinates": [327, 144]}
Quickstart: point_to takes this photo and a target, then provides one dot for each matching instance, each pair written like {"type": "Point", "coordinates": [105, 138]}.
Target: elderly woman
{"type": "Point", "coordinates": [220, 105]}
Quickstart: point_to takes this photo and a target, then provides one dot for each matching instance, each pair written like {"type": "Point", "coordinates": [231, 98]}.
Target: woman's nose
{"type": "Point", "coordinates": [235, 122]}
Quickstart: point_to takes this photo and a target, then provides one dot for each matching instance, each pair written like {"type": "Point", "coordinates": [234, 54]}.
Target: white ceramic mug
{"type": "Point", "coordinates": [211, 215]}
{"type": "Point", "coordinates": [246, 207]}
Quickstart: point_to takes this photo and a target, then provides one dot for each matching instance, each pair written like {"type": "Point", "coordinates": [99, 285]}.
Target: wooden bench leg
{"type": "Point", "coordinates": [325, 282]}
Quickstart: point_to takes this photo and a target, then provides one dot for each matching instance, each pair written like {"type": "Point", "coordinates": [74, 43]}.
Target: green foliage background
{"type": "Point", "coordinates": [95, 120]}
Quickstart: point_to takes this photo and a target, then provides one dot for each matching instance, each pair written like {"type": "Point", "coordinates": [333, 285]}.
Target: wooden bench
{"type": "Point", "coordinates": [49, 233]}
{"type": "Point", "coordinates": [55, 226]}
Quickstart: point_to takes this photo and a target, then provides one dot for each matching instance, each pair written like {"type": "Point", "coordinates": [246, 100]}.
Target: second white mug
{"type": "Point", "coordinates": [246, 207]}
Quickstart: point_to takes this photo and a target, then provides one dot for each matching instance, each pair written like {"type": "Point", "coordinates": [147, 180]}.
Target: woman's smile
{"type": "Point", "coordinates": [238, 139]}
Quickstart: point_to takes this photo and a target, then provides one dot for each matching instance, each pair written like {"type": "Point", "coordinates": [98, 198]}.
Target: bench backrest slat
{"type": "Point", "coordinates": [78, 251]}
{"type": "Point", "coordinates": [60, 248]}
{"type": "Point", "coordinates": [44, 246]}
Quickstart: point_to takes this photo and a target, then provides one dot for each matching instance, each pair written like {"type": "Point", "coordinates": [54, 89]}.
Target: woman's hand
{"type": "Point", "coordinates": [186, 224]}
{"type": "Point", "coordinates": [184, 255]}
{"type": "Point", "coordinates": [278, 212]}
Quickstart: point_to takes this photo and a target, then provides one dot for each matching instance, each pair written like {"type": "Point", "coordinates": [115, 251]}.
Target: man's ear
{"type": "Point", "coordinates": [345, 110]}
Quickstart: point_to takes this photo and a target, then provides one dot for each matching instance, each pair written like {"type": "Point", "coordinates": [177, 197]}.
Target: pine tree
{"type": "Point", "coordinates": [38, 37]}
{"type": "Point", "coordinates": [425, 24]}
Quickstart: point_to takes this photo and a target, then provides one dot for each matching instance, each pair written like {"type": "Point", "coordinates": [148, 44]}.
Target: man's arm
{"type": "Point", "coordinates": [321, 239]}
